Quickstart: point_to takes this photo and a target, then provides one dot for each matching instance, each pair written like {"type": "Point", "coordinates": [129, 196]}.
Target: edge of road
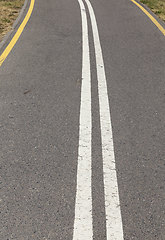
{"type": "Point", "coordinates": [15, 24]}
{"type": "Point", "coordinates": [18, 27]}
{"type": "Point", "coordinates": [152, 16]}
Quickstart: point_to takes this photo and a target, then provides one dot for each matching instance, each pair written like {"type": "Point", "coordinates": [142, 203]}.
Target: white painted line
{"type": "Point", "coordinates": [112, 206]}
{"type": "Point", "coordinates": [83, 227]}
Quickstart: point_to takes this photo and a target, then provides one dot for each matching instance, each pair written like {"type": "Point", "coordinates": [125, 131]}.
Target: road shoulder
{"type": "Point", "coordinates": [7, 38]}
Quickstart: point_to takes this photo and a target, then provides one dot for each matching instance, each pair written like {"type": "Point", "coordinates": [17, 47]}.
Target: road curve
{"type": "Point", "coordinates": [82, 124]}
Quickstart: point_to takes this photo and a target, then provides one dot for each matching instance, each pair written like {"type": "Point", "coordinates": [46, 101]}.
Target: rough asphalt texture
{"type": "Point", "coordinates": [40, 84]}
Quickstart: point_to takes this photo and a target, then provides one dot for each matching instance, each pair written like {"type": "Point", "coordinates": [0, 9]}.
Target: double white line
{"type": "Point", "coordinates": [83, 224]}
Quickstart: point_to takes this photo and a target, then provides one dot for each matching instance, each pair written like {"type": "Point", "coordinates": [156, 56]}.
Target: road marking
{"type": "Point", "coordinates": [112, 206]}
{"type": "Point", "coordinates": [17, 34]}
{"type": "Point", "coordinates": [83, 227]}
{"type": "Point", "coordinates": [150, 16]}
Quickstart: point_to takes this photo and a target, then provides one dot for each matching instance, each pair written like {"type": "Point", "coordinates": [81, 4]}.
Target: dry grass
{"type": "Point", "coordinates": [9, 10]}
{"type": "Point", "coordinates": [157, 6]}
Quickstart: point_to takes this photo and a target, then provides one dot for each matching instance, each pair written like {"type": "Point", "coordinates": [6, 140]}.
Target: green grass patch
{"type": "Point", "coordinates": [157, 6]}
{"type": "Point", "coordinates": [9, 10]}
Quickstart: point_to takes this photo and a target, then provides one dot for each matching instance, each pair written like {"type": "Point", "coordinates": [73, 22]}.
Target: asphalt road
{"type": "Point", "coordinates": [55, 180]}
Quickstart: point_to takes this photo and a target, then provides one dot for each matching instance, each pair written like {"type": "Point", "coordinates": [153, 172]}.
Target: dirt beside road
{"type": "Point", "coordinates": [9, 10]}
{"type": "Point", "coordinates": [157, 6]}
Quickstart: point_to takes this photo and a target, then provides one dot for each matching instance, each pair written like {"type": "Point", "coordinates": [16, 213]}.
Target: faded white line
{"type": "Point", "coordinates": [83, 227]}
{"type": "Point", "coordinates": [114, 226]}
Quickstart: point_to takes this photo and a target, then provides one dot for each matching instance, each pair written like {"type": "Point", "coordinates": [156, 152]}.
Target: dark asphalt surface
{"type": "Point", "coordinates": [40, 84]}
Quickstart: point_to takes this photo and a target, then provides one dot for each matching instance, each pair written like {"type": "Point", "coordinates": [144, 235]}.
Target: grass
{"type": "Point", "coordinates": [157, 6]}
{"type": "Point", "coordinates": [9, 10]}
